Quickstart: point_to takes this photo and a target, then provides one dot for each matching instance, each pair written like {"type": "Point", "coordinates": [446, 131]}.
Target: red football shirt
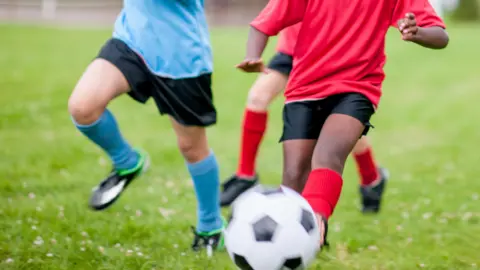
{"type": "Point", "coordinates": [288, 38]}
{"type": "Point", "coordinates": [341, 43]}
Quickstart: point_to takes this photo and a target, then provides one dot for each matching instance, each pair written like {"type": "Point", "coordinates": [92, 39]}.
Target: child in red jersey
{"type": "Point", "coordinates": [335, 84]}
{"type": "Point", "coordinates": [263, 92]}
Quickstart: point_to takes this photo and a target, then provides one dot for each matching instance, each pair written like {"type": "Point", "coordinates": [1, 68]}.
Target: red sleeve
{"type": "Point", "coordinates": [423, 11]}
{"type": "Point", "coordinates": [279, 14]}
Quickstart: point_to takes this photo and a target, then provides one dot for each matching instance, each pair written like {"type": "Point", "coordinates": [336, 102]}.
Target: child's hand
{"type": "Point", "coordinates": [408, 27]}
{"type": "Point", "coordinates": [249, 65]}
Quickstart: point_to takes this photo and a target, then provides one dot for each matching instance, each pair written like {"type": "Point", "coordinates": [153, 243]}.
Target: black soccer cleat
{"type": "Point", "coordinates": [372, 195]}
{"type": "Point", "coordinates": [110, 189]}
{"type": "Point", "coordinates": [211, 241]}
{"type": "Point", "coordinates": [234, 187]}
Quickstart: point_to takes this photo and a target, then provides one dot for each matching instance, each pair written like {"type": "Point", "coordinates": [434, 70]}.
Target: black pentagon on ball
{"type": "Point", "coordinates": [241, 262]}
{"type": "Point", "coordinates": [264, 229]}
{"type": "Point", "coordinates": [268, 190]}
{"type": "Point", "coordinates": [293, 263]}
{"type": "Point", "coordinates": [307, 220]}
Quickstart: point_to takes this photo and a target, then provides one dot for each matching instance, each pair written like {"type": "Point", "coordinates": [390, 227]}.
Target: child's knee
{"type": "Point", "coordinates": [193, 148]}
{"type": "Point", "coordinates": [328, 159]}
{"type": "Point", "coordinates": [258, 100]}
{"type": "Point", "coordinates": [82, 111]}
{"type": "Point", "coordinates": [264, 91]}
{"type": "Point", "coordinates": [294, 177]}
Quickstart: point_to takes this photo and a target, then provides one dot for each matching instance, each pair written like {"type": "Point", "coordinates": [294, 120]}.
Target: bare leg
{"type": "Point", "coordinates": [263, 92]}
{"type": "Point", "coordinates": [297, 159]}
{"type": "Point", "coordinates": [338, 137]}
{"type": "Point", "coordinates": [366, 165]}
{"type": "Point", "coordinates": [203, 168]}
{"type": "Point", "coordinates": [362, 145]}
{"type": "Point", "coordinates": [373, 178]}
{"type": "Point", "coordinates": [192, 141]}
{"type": "Point", "coordinates": [102, 82]}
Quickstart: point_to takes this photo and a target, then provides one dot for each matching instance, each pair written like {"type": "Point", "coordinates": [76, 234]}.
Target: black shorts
{"type": "Point", "coordinates": [305, 119]}
{"type": "Point", "coordinates": [189, 101]}
{"type": "Point", "coordinates": [282, 63]}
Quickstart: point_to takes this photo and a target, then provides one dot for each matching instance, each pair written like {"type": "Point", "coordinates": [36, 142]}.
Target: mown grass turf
{"type": "Point", "coordinates": [426, 132]}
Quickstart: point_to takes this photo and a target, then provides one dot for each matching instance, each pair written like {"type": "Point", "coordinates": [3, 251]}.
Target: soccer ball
{"type": "Point", "coordinates": [270, 229]}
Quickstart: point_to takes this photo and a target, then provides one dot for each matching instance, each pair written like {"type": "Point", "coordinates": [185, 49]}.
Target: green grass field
{"type": "Point", "coordinates": [426, 132]}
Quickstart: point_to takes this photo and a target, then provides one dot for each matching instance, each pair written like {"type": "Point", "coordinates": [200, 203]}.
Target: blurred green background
{"type": "Point", "coordinates": [426, 133]}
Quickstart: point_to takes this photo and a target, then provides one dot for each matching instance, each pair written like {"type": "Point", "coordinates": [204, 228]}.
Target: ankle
{"type": "Point", "coordinates": [246, 177]}
{"type": "Point", "coordinates": [322, 226]}
{"type": "Point", "coordinates": [374, 183]}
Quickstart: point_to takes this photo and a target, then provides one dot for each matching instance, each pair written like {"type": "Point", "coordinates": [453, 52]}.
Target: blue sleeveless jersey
{"type": "Point", "coordinates": [170, 35]}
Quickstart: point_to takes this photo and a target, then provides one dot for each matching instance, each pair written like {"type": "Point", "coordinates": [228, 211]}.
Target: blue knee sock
{"type": "Point", "coordinates": [105, 133]}
{"type": "Point", "coordinates": [206, 181]}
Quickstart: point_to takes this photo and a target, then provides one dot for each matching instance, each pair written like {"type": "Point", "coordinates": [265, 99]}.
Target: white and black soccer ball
{"type": "Point", "coordinates": [271, 229]}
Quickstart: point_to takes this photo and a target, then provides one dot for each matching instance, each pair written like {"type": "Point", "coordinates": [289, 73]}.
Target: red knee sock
{"type": "Point", "coordinates": [367, 168]}
{"type": "Point", "coordinates": [322, 191]}
{"type": "Point", "coordinates": [254, 126]}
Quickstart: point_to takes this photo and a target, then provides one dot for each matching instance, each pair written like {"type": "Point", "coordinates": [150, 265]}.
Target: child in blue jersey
{"type": "Point", "coordinates": [159, 49]}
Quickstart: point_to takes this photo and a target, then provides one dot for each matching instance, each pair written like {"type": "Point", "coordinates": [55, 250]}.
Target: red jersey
{"type": "Point", "coordinates": [288, 38]}
{"type": "Point", "coordinates": [341, 43]}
